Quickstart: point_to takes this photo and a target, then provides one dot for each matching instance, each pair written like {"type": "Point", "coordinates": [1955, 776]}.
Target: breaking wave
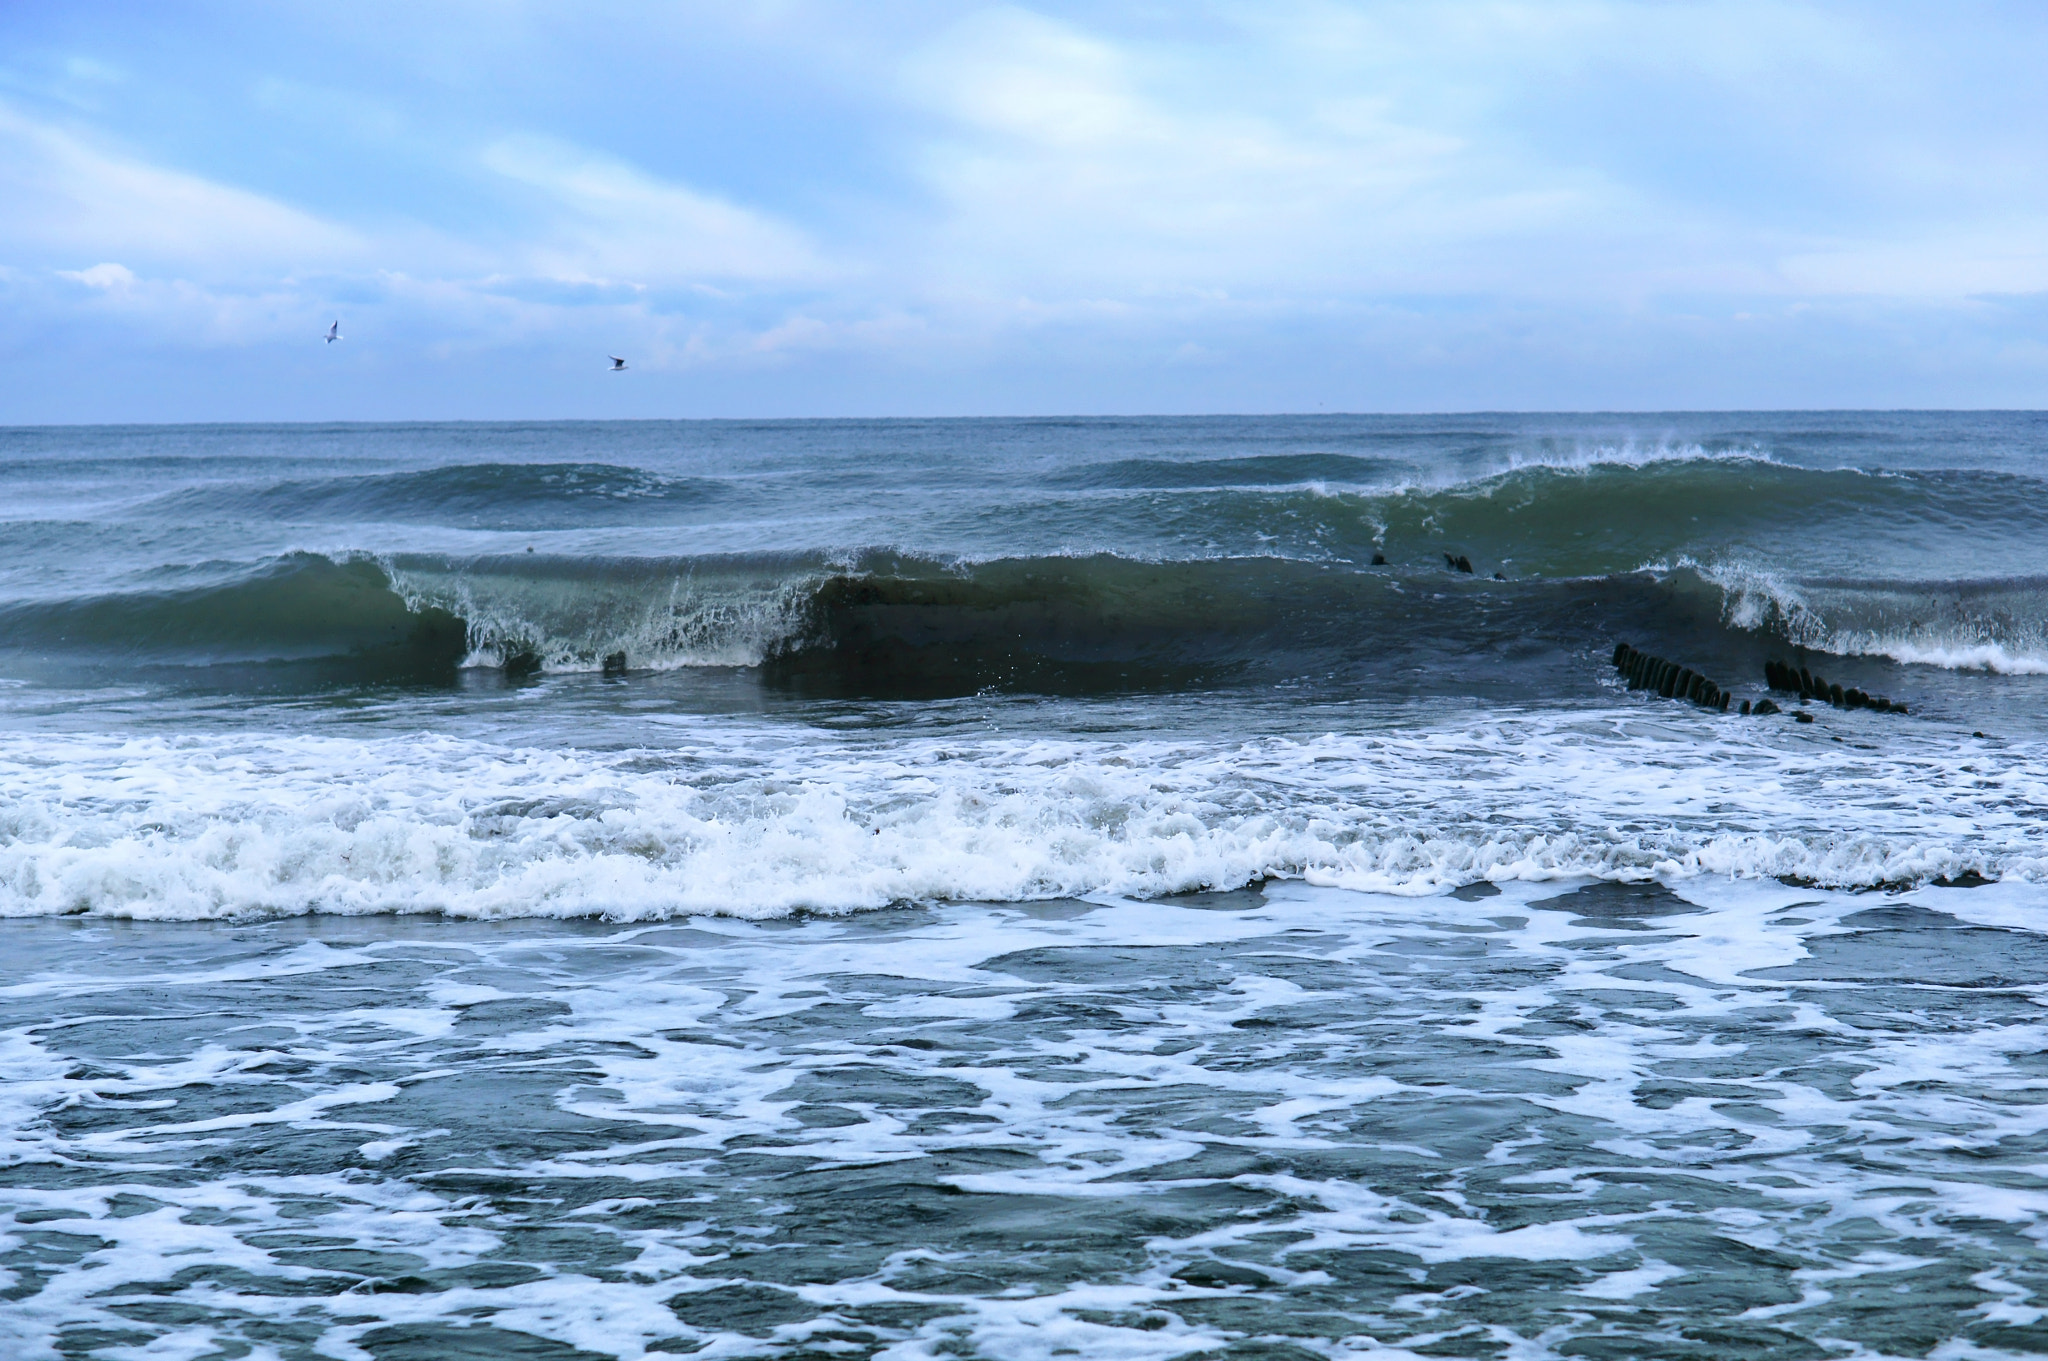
{"type": "Point", "coordinates": [884, 622]}
{"type": "Point", "coordinates": [753, 824]}
{"type": "Point", "coordinates": [1997, 625]}
{"type": "Point", "coordinates": [1293, 565]}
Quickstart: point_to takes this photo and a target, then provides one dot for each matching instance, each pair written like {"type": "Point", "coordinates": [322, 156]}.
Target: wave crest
{"type": "Point", "coordinates": [570, 615]}
{"type": "Point", "coordinates": [1997, 626]}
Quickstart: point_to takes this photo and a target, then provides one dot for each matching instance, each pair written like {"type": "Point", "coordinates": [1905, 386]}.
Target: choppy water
{"type": "Point", "coordinates": [718, 888]}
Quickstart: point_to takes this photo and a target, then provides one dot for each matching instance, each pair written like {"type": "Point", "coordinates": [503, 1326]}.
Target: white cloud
{"type": "Point", "coordinates": [1989, 257]}
{"type": "Point", "coordinates": [1012, 72]}
{"type": "Point", "coordinates": [209, 264]}
{"type": "Point", "coordinates": [68, 195]}
{"type": "Point", "coordinates": [1299, 155]}
{"type": "Point", "coordinates": [1075, 166]}
{"type": "Point", "coordinates": [107, 275]}
{"type": "Point", "coordinates": [610, 222]}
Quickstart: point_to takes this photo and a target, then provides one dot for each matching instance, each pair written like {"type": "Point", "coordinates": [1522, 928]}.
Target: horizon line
{"type": "Point", "coordinates": [1475, 412]}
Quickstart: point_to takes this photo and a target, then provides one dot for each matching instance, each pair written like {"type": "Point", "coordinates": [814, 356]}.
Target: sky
{"type": "Point", "coordinates": [898, 208]}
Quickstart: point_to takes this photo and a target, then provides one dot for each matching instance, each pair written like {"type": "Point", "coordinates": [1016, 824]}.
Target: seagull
{"type": "Point", "coordinates": [334, 333]}
{"type": "Point", "coordinates": [618, 364]}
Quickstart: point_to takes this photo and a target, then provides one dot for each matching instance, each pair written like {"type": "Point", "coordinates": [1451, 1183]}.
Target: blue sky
{"type": "Point", "coordinates": [900, 208]}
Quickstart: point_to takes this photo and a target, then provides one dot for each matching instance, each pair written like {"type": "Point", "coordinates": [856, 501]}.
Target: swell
{"type": "Point", "coordinates": [500, 496]}
{"type": "Point", "coordinates": [882, 623]}
{"type": "Point", "coordinates": [340, 617]}
{"type": "Point", "coordinates": [878, 623]}
{"type": "Point", "coordinates": [1603, 518]}
{"type": "Point", "coordinates": [1590, 513]}
{"type": "Point", "coordinates": [1469, 457]}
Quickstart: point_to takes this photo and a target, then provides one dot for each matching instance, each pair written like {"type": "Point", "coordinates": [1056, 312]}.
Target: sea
{"type": "Point", "coordinates": [1109, 888]}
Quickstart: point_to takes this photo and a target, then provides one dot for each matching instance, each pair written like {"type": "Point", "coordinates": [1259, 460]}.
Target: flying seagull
{"type": "Point", "coordinates": [618, 364]}
{"type": "Point", "coordinates": [334, 333]}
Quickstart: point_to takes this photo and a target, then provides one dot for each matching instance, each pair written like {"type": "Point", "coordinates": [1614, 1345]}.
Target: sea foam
{"type": "Point", "coordinates": [1992, 626]}
{"type": "Point", "coordinates": [751, 821]}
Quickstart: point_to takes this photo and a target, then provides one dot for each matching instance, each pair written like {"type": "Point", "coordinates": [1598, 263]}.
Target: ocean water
{"type": "Point", "coordinates": [1024, 888]}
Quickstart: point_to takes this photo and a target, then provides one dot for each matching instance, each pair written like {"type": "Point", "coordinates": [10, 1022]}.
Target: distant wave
{"type": "Point", "coordinates": [1265, 470]}
{"type": "Point", "coordinates": [1375, 473]}
{"type": "Point", "coordinates": [503, 496]}
{"type": "Point", "coordinates": [1586, 511]}
{"type": "Point", "coordinates": [1603, 514]}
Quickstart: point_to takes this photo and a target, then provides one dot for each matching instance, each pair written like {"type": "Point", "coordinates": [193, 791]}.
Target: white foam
{"type": "Point", "coordinates": [1633, 454]}
{"type": "Point", "coordinates": [1820, 1139]}
{"type": "Point", "coordinates": [574, 622]}
{"type": "Point", "coordinates": [1950, 656]}
{"type": "Point", "coordinates": [761, 821]}
{"type": "Point", "coordinates": [1825, 620]}
{"type": "Point", "coordinates": [1581, 458]}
